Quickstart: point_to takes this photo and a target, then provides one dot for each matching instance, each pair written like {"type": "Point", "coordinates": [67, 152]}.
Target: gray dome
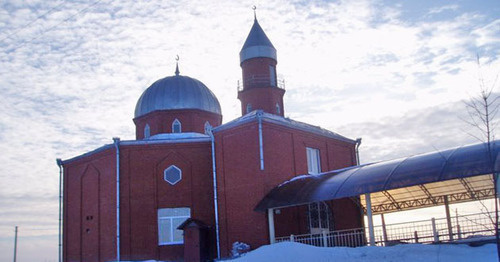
{"type": "Point", "coordinates": [177, 92]}
{"type": "Point", "coordinates": [257, 44]}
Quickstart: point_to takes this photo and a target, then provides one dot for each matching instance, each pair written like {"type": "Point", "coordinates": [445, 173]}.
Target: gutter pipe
{"type": "Point", "coordinates": [60, 164]}
{"type": "Point", "coordinates": [261, 143]}
{"type": "Point", "coordinates": [358, 143]}
{"type": "Point", "coordinates": [214, 174]}
{"type": "Point", "coordinates": [116, 141]}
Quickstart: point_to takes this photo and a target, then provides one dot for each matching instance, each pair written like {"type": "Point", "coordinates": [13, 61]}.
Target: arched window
{"type": "Point", "coordinates": [278, 110]}
{"type": "Point", "coordinates": [176, 126]}
{"type": "Point", "coordinates": [208, 128]}
{"type": "Point", "coordinates": [249, 108]}
{"type": "Point", "coordinates": [320, 218]}
{"type": "Point", "coordinates": [147, 131]}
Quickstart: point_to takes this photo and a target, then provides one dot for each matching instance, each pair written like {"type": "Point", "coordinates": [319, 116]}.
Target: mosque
{"type": "Point", "coordinates": [187, 187]}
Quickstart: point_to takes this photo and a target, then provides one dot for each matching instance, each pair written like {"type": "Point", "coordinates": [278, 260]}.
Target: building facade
{"type": "Point", "coordinates": [188, 185]}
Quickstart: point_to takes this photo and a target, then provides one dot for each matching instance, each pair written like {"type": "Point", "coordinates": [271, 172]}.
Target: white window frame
{"type": "Point", "coordinates": [313, 161]}
{"type": "Point", "coordinates": [170, 221]}
{"type": "Point", "coordinates": [319, 215]}
{"type": "Point", "coordinates": [147, 131]}
{"type": "Point", "coordinates": [176, 123]}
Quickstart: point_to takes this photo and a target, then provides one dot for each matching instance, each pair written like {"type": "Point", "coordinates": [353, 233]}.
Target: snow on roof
{"type": "Point", "coordinates": [279, 120]}
{"type": "Point", "coordinates": [188, 137]}
{"type": "Point", "coordinates": [175, 136]}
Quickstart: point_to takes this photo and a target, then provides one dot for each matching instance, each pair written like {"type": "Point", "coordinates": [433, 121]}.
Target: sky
{"type": "Point", "coordinates": [395, 73]}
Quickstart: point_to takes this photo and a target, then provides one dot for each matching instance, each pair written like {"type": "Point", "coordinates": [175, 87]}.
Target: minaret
{"type": "Point", "coordinates": [261, 89]}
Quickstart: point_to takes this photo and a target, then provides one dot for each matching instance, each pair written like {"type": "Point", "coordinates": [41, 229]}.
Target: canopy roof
{"type": "Point", "coordinates": [462, 174]}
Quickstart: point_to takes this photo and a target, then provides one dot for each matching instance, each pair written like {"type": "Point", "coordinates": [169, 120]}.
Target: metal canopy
{"type": "Point", "coordinates": [462, 174]}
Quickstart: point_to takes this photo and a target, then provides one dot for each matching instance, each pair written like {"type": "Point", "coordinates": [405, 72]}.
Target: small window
{"type": "Point", "coordinates": [147, 131]}
{"type": "Point", "coordinates": [249, 108]}
{"type": "Point", "coordinates": [272, 75]}
{"type": "Point", "coordinates": [176, 126]}
{"type": "Point", "coordinates": [172, 175]}
{"type": "Point", "coordinates": [168, 221]}
{"type": "Point", "coordinates": [313, 161]}
{"type": "Point", "coordinates": [278, 110]}
{"type": "Point", "coordinates": [208, 128]}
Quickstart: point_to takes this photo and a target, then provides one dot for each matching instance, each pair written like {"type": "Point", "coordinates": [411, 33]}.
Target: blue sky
{"type": "Point", "coordinates": [395, 73]}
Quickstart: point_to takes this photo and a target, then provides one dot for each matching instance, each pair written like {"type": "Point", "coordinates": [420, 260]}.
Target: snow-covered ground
{"type": "Point", "coordinates": [288, 251]}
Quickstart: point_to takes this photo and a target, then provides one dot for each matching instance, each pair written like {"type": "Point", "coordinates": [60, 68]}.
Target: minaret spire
{"type": "Point", "coordinates": [261, 88]}
{"type": "Point", "coordinates": [177, 65]}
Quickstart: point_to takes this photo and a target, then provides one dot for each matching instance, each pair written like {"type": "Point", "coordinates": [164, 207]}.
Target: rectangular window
{"type": "Point", "coordinates": [272, 74]}
{"type": "Point", "coordinates": [313, 161]}
{"type": "Point", "coordinates": [168, 221]}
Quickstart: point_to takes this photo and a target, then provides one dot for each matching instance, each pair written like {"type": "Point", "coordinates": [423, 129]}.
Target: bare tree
{"type": "Point", "coordinates": [482, 110]}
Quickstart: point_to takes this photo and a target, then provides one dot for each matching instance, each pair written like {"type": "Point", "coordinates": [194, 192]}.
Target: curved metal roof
{"type": "Point", "coordinates": [458, 163]}
{"type": "Point", "coordinates": [177, 92]}
{"type": "Point", "coordinates": [257, 44]}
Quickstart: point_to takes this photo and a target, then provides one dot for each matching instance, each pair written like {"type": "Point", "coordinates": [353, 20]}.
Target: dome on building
{"type": "Point", "coordinates": [177, 92]}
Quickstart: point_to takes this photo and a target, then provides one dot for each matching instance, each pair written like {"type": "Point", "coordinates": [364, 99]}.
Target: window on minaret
{"type": "Point", "coordinates": [176, 126]}
{"type": "Point", "coordinates": [147, 131]}
{"type": "Point", "coordinates": [278, 110]}
{"type": "Point", "coordinates": [313, 161]}
{"type": "Point", "coordinates": [249, 108]}
{"type": "Point", "coordinates": [272, 75]}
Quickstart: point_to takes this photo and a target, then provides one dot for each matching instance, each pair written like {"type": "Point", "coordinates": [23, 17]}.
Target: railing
{"type": "Point", "coordinates": [344, 238]}
{"type": "Point", "coordinates": [436, 230]}
{"type": "Point", "coordinates": [424, 231]}
{"type": "Point", "coordinates": [260, 81]}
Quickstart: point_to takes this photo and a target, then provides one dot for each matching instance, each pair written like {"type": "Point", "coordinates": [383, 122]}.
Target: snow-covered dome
{"type": "Point", "coordinates": [177, 92]}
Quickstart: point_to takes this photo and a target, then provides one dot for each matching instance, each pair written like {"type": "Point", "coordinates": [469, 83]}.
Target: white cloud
{"type": "Point", "coordinates": [440, 9]}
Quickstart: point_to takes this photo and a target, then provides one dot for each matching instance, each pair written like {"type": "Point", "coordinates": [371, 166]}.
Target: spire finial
{"type": "Point", "coordinates": [254, 12]}
{"type": "Point", "coordinates": [177, 65]}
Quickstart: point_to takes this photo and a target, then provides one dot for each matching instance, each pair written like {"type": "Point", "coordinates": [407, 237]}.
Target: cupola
{"type": "Point", "coordinates": [176, 104]}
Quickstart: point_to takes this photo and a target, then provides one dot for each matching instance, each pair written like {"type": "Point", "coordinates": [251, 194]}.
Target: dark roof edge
{"type": "Point", "coordinates": [95, 151]}
{"type": "Point", "coordinates": [279, 120]}
{"type": "Point", "coordinates": [138, 142]}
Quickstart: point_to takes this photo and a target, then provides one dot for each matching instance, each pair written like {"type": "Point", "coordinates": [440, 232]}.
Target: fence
{"type": "Point", "coordinates": [261, 81]}
{"type": "Point", "coordinates": [346, 238]}
{"type": "Point", "coordinates": [437, 230]}
{"type": "Point", "coordinates": [424, 231]}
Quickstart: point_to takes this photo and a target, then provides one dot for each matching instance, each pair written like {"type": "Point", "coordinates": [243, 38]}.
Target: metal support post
{"type": "Point", "coordinates": [270, 218]}
{"type": "Point", "coordinates": [15, 245]}
{"type": "Point", "coordinates": [448, 218]}
{"type": "Point", "coordinates": [325, 238]}
{"type": "Point", "coordinates": [369, 217]}
{"type": "Point", "coordinates": [434, 231]}
{"type": "Point", "coordinates": [384, 229]}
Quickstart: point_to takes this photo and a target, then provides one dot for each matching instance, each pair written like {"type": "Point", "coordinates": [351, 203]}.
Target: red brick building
{"type": "Point", "coordinates": [187, 170]}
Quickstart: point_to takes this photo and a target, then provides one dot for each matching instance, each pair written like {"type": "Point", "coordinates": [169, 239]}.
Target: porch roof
{"type": "Point", "coordinates": [463, 174]}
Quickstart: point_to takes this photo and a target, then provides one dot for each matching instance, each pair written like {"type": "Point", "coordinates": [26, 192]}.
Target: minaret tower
{"type": "Point", "coordinates": [261, 88]}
